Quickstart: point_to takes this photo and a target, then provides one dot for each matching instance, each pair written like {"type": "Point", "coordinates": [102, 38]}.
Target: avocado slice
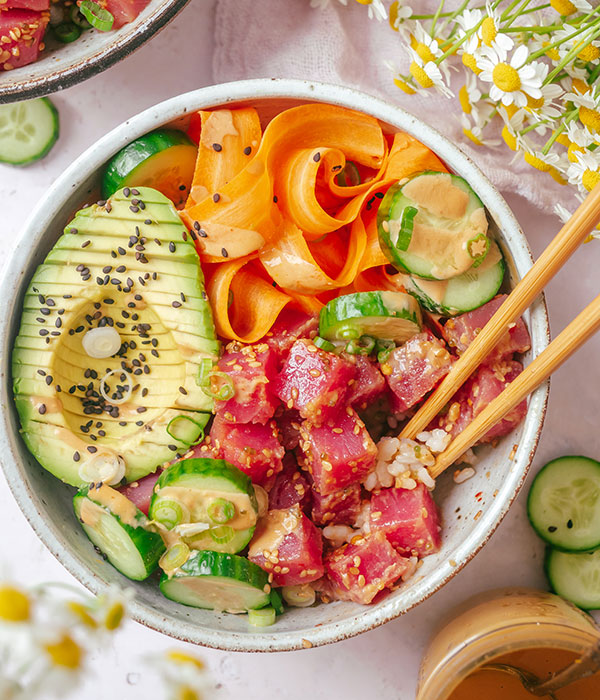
{"type": "Point", "coordinates": [128, 264]}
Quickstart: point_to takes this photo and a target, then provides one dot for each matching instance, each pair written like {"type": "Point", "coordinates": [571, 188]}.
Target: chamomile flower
{"type": "Point", "coordinates": [469, 19]}
{"type": "Point", "coordinates": [184, 675]}
{"type": "Point", "coordinates": [474, 132]}
{"type": "Point", "coordinates": [469, 94]}
{"type": "Point", "coordinates": [563, 214]}
{"type": "Point", "coordinates": [585, 171]}
{"type": "Point", "coordinates": [376, 9]}
{"type": "Point", "coordinates": [589, 107]}
{"type": "Point", "coordinates": [544, 107]}
{"type": "Point", "coordinates": [580, 139]}
{"type": "Point", "coordinates": [569, 7]}
{"type": "Point", "coordinates": [401, 81]}
{"type": "Point", "coordinates": [511, 82]}
{"type": "Point", "coordinates": [428, 75]}
{"type": "Point", "coordinates": [490, 31]}
{"type": "Point", "coordinates": [400, 21]}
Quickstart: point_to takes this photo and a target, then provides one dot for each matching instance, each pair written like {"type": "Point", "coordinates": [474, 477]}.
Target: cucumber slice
{"type": "Point", "coordinates": [463, 293]}
{"type": "Point", "coordinates": [217, 581]}
{"type": "Point", "coordinates": [564, 504]}
{"type": "Point", "coordinates": [28, 130]}
{"type": "Point", "coordinates": [117, 528]}
{"type": "Point", "coordinates": [390, 315]}
{"type": "Point", "coordinates": [209, 503]}
{"type": "Point", "coordinates": [163, 159]}
{"type": "Point", "coordinates": [575, 576]}
{"type": "Point", "coordinates": [433, 226]}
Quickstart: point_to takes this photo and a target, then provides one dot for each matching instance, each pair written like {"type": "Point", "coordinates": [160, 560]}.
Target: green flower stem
{"type": "Point", "coordinates": [452, 16]}
{"type": "Point", "coordinates": [542, 52]}
{"type": "Point", "coordinates": [537, 30]}
{"type": "Point", "coordinates": [517, 14]}
{"type": "Point", "coordinates": [459, 42]}
{"type": "Point", "coordinates": [533, 126]}
{"type": "Point", "coordinates": [506, 12]}
{"type": "Point", "coordinates": [436, 16]}
{"type": "Point", "coordinates": [557, 132]}
{"type": "Point", "coordinates": [574, 51]}
{"type": "Point", "coordinates": [594, 75]}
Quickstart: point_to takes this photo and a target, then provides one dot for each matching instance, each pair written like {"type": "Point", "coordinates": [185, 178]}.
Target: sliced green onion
{"type": "Point", "coordinates": [323, 344]}
{"type": "Point", "coordinates": [174, 557]}
{"type": "Point", "coordinates": [169, 513]}
{"type": "Point", "coordinates": [66, 32]}
{"type": "Point", "coordinates": [229, 299]}
{"type": "Point", "coordinates": [97, 16]}
{"type": "Point", "coordinates": [361, 346]}
{"type": "Point", "coordinates": [349, 176]}
{"type": "Point", "coordinates": [222, 534]}
{"type": "Point", "coordinates": [299, 596]}
{"type": "Point", "coordinates": [206, 367]}
{"type": "Point", "coordinates": [349, 333]}
{"type": "Point", "coordinates": [276, 601]}
{"type": "Point", "coordinates": [384, 349]}
{"type": "Point", "coordinates": [478, 248]}
{"type": "Point", "coordinates": [77, 18]}
{"type": "Point", "coordinates": [262, 618]}
{"type": "Point", "coordinates": [191, 420]}
{"type": "Point", "coordinates": [407, 223]}
{"type": "Point", "coordinates": [223, 392]}
{"type": "Point", "coordinates": [221, 511]}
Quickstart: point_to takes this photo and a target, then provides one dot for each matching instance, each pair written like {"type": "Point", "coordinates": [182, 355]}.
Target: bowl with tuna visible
{"type": "Point", "coordinates": [223, 315]}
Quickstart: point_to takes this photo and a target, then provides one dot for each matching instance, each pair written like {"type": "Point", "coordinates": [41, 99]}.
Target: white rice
{"type": "Point", "coordinates": [339, 534]}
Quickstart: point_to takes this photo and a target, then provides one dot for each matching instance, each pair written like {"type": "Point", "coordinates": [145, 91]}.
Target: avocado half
{"type": "Point", "coordinates": [129, 264]}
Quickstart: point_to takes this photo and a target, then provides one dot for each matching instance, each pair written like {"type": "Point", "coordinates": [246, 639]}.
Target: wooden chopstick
{"type": "Point", "coordinates": [561, 348]}
{"type": "Point", "coordinates": [568, 239]}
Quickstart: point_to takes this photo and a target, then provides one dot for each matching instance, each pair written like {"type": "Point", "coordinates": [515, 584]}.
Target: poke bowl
{"type": "Point", "coordinates": [469, 508]}
{"type": "Point", "coordinates": [48, 45]}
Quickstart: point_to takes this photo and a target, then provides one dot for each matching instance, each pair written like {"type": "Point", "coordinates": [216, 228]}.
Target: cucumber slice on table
{"type": "Point", "coordinates": [463, 293]}
{"type": "Point", "coordinates": [575, 576]}
{"type": "Point", "coordinates": [217, 581]}
{"type": "Point", "coordinates": [28, 130]}
{"type": "Point", "coordinates": [163, 159]}
{"type": "Point", "coordinates": [433, 226]}
{"type": "Point", "coordinates": [564, 504]}
{"type": "Point", "coordinates": [390, 315]}
{"type": "Point", "coordinates": [117, 528]}
{"type": "Point", "coordinates": [209, 503]}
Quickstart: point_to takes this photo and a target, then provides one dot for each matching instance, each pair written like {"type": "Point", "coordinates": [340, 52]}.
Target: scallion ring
{"type": "Point", "coordinates": [126, 384]}
{"type": "Point", "coordinates": [265, 617]}
{"type": "Point", "coordinates": [221, 511]}
{"type": "Point", "coordinates": [97, 16]}
{"type": "Point", "coordinates": [224, 382]}
{"type": "Point", "coordinates": [407, 224]}
{"type": "Point", "coordinates": [183, 417]}
{"type": "Point", "coordinates": [384, 349]}
{"type": "Point", "coordinates": [66, 32]}
{"type": "Point", "coordinates": [77, 18]}
{"type": "Point", "coordinates": [323, 344]}
{"type": "Point", "coordinates": [478, 248]}
{"type": "Point", "coordinates": [174, 557]}
{"type": "Point", "coordinates": [361, 346]}
{"type": "Point", "coordinates": [222, 534]}
{"type": "Point", "coordinates": [169, 513]}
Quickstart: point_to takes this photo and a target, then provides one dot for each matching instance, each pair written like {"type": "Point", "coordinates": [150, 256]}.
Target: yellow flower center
{"type": "Point", "coordinates": [469, 61]}
{"type": "Point", "coordinates": [488, 31]}
{"type": "Point", "coordinates": [185, 692]}
{"type": "Point", "coordinates": [589, 53]}
{"type": "Point", "coordinates": [506, 78]}
{"type": "Point", "coordinates": [393, 16]}
{"type": "Point", "coordinates": [590, 118]}
{"type": "Point", "coordinates": [419, 74]}
{"type": "Point", "coordinates": [510, 110]}
{"type": "Point", "coordinates": [82, 613]}
{"type": "Point", "coordinates": [536, 162]}
{"type": "Point", "coordinates": [572, 152]}
{"type": "Point", "coordinates": [590, 179]}
{"type": "Point", "coordinates": [465, 103]}
{"type": "Point", "coordinates": [509, 139]}
{"type": "Point", "coordinates": [557, 176]}
{"type": "Point", "coordinates": [470, 135]}
{"type": "Point", "coordinates": [563, 7]}
{"type": "Point", "coordinates": [364, 2]}
{"type": "Point", "coordinates": [424, 52]}
{"type": "Point", "coordinates": [66, 653]}
{"type": "Point", "coordinates": [535, 102]}
{"type": "Point", "coordinates": [563, 139]}
{"type": "Point", "coordinates": [551, 53]}
{"type": "Point", "coordinates": [580, 86]}
{"type": "Point", "coordinates": [404, 86]}
{"type": "Point", "coordinates": [114, 616]}
{"type": "Point", "coordinates": [14, 604]}
{"type": "Point", "coordinates": [181, 657]}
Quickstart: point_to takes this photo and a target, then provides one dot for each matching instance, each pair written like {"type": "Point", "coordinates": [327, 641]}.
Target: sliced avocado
{"type": "Point", "coordinates": [128, 265]}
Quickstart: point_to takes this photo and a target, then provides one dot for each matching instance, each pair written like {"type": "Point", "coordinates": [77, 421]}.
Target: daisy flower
{"type": "Point", "coordinates": [585, 171]}
{"type": "Point", "coordinates": [512, 82]}
{"type": "Point", "coordinates": [469, 94]}
{"type": "Point", "coordinates": [544, 107]}
{"type": "Point", "coordinates": [376, 9]}
{"type": "Point", "coordinates": [474, 132]}
{"type": "Point", "coordinates": [184, 675]}
{"type": "Point", "coordinates": [428, 75]}
{"type": "Point", "coordinates": [490, 31]}
{"type": "Point", "coordinates": [400, 22]}
{"type": "Point", "coordinates": [401, 81]}
{"type": "Point", "coordinates": [569, 7]}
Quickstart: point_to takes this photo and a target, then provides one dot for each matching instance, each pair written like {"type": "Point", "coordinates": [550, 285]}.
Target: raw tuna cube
{"type": "Point", "coordinates": [413, 369]}
{"type": "Point", "coordinates": [409, 519]}
{"type": "Point", "coordinates": [290, 487]}
{"type": "Point", "coordinates": [21, 32]}
{"type": "Point", "coordinates": [140, 492]}
{"type": "Point", "coordinates": [338, 453]}
{"type": "Point", "coordinates": [124, 11]}
{"type": "Point", "coordinates": [251, 447]}
{"type": "Point", "coordinates": [369, 383]}
{"type": "Point", "coordinates": [290, 325]}
{"type": "Point", "coordinates": [337, 508]}
{"type": "Point", "coordinates": [288, 423]}
{"type": "Point", "coordinates": [314, 382]}
{"type": "Point", "coordinates": [460, 331]}
{"type": "Point", "coordinates": [37, 5]}
{"type": "Point", "coordinates": [359, 571]}
{"type": "Point", "coordinates": [252, 370]}
{"type": "Point", "coordinates": [289, 546]}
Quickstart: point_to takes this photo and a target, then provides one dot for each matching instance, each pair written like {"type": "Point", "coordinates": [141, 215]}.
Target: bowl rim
{"type": "Point", "coordinates": [26, 89]}
{"type": "Point", "coordinates": [79, 171]}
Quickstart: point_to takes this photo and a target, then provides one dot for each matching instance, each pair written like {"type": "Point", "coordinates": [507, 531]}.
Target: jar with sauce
{"type": "Point", "coordinates": [501, 644]}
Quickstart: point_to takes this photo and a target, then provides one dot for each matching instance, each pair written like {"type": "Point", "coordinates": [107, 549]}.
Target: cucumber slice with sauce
{"type": "Point", "coordinates": [564, 504]}
{"type": "Point", "coordinates": [575, 576]}
{"type": "Point", "coordinates": [463, 293]}
{"type": "Point", "coordinates": [118, 529]}
{"type": "Point", "coordinates": [390, 315]}
{"type": "Point", "coordinates": [433, 226]}
{"type": "Point", "coordinates": [218, 581]}
{"type": "Point", "coordinates": [208, 503]}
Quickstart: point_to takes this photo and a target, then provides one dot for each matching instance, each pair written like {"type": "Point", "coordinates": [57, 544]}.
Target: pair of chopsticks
{"type": "Point", "coordinates": [568, 239]}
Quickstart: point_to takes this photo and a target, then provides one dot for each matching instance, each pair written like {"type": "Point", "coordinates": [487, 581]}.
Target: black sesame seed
{"type": "Point", "coordinates": [182, 296]}
{"type": "Point", "coordinates": [181, 188]}
{"type": "Point", "coordinates": [144, 392]}
{"type": "Point", "coordinates": [126, 192]}
{"type": "Point", "coordinates": [552, 528]}
{"type": "Point", "coordinates": [182, 391]}
{"type": "Point", "coordinates": [216, 197]}
{"type": "Point", "coordinates": [135, 192]}
{"type": "Point", "coordinates": [379, 195]}
{"type": "Point", "coordinates": [275, 199]}
{"type": "Point", "coordinates": [569, 524]}
{"type": "Point", "coordinates": [197, 225]}
{"type": "Point", "coordinates": [247, 151]}
{"type": "Point", "coordinates": [76, 456]}
{"type": "Point", "coordinates": [39, 319]}
{"type": "Point", "coordinates": [55, 333]}
{"type": "Point", "coordinates": [43, 331]}
{"type": "Point", "coordinates": [224, 252]}
{"type": "Point", "coordinates": [121, 251]}
{"type": "Point", "coordinates": [41, 298]}
{"type": "Point", "coordinates": [42, 409]}
{"type": "Point", "coordinates": [58, 322]}
{"type": "Point", "coordinates": [176, 304]}
{"type": "Point", "coordinates": [148, 222]}
{"type": "Point", "coordinates": [154, 352]}
{"type": "Point", "coordinates": [173, 448]}
{"type": "Point", "coordinates": [184, 235]}
{"type": "Point", "coordinates": [85, 244]}
{"type": "Point", "coordinates": [49, 380]}
{"type": "Point", "coordinates": [172, 247]}
{"type": "Point", "coordinates": [217, 147]}
{"type": "Point", "coordinates": [92, 449]}
{"type": "Point", "coordinates": [50, 302]}
{"type": "Point", "coordinates": [202, 233]}
{"type": "Point", "coordinates": [46, 312]}
{"type": "Point", "coordinates": [72, 230]}
{"type": "Point", "coordinates": [113, 254]}
{"type": "Point", "coordinates": [107, 268]}
{"type": "Point", "coordinates": [86, 277]}
{"type": "Point", "coordinates": [41, 372]}
{"type": "Point", "coordinates": [317, 157]}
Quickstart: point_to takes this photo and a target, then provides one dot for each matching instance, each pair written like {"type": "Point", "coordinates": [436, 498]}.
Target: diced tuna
{"type": "Point", "coordinates": [338, 453]}
{"type": "Point", "coordinates": [337, 508]}
{"type": "Point", "coordinates": [413, 369]}
{"type": "Point", "coordinates": [369, 383]}
{"type": "Point", "coordinates": [21, 33]}
{"type": "Point", "coordinates": [460, 332]}
{"type": "Point", "coordinates": [252, 369]}
{"type": "Point", "coordinates": [251, 447]}
{"type": "Point", "coordinates": [140, 492]}
{"type": "Point", "coordinates": [289, 546]}
{"type": "Point", "coordinates": [290, 487]}
{"type": "Point", "coordinates": [361, 570]}
{"type": "Point", "coordinates": [314, 382]}
{"type": "Point", "coordinates": [36, 5]}
{"type": "Point", "coordinates": [409, 519]}
{"type": "Point", "coordinates": [288, 422]}
{"type": "Point", "coordinates": [291, 324]}
{"type": "Point", "coordinates": [124, 11]}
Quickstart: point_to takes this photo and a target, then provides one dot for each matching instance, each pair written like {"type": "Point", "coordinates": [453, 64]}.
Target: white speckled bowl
{"type": "Point", "coordinates": [468, 523]}
{"type": "Point", "coordinates": [63, 65]}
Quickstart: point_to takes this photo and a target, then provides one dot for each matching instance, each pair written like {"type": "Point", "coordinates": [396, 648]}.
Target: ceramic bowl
{"type": "Point", "coordinates": [46, 502]}
{"type": "Point", "coordinates": [63, 65]}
